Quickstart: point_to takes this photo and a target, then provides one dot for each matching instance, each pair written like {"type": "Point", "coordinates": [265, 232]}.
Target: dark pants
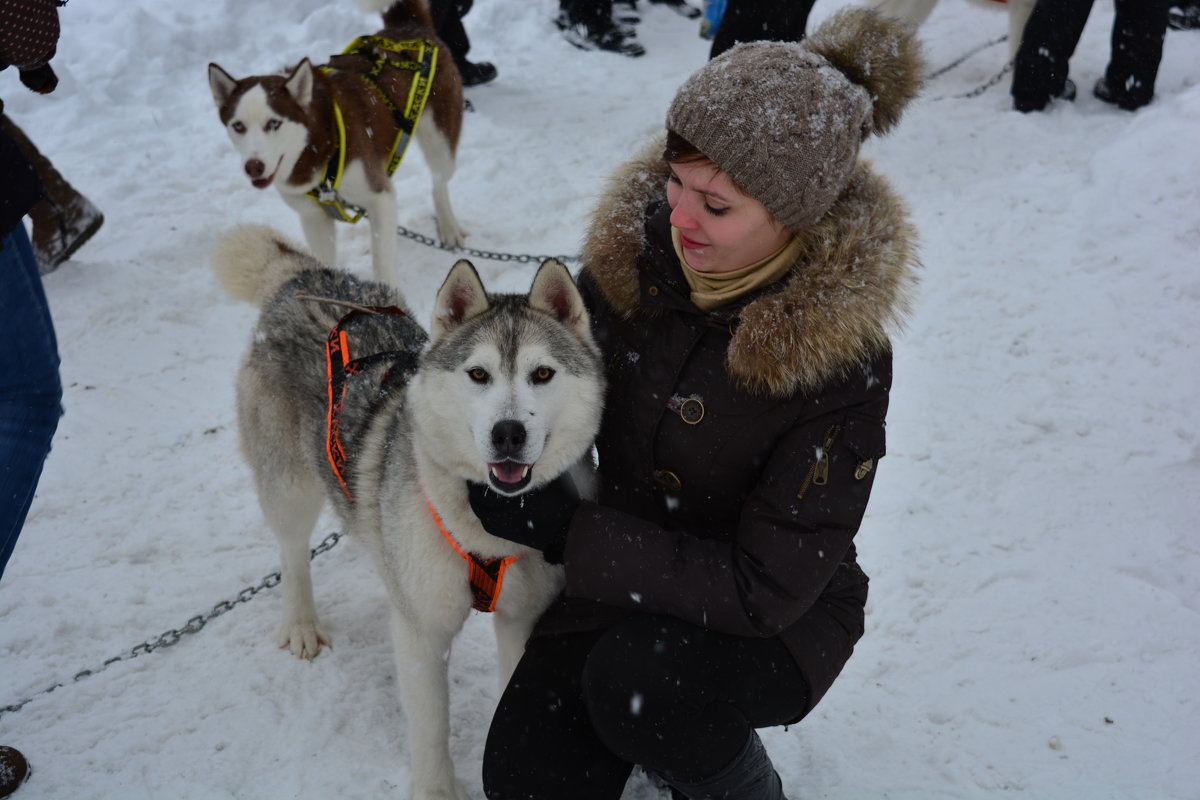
{"type": "Point", "coordinates": [1053, 31]}
{"type": "Point", "coordinates": [582, 709]}
{"type": "Point", "coordinates": [447, 21]}
{"type": "Point", "coordinates": [761, 20]}
{"type": "Point", "coordinates": [30, 391]}
{"type": "Point", "coordinates": [588, 12]}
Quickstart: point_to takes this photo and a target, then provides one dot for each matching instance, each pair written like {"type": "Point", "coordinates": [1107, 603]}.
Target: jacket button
{"type": "Point", "coordinates": [668, 479]}
{"type": "Point", "coordinates": [652, 291]}
{"type": "Point", "coordinates": [692, 411]}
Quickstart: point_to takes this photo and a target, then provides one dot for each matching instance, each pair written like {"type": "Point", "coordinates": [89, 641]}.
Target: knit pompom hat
{"type": "Point", "coordinates": [785, 120]}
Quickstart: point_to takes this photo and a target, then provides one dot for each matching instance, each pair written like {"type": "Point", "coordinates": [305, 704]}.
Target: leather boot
{"type": "Point", "coordinates": [750, 776]}
{"type": "Point", "coordinates": [61, 228]}
{"type": "Point", "coordinates": [63, 219]}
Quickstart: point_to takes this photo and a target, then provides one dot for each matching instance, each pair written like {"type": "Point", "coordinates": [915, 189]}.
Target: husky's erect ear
{"type": "Point", "coordinates": [461, 297]}
{"type": "Point", "coordinates": [221, 83]}
{"type": "Point", "coordinates": [300, 83]}
{"type": "Point", "coordinates": [555, 293]}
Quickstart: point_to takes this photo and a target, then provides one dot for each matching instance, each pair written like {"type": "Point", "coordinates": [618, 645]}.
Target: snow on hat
{"type": "Point", "coordinates": [785, 120]}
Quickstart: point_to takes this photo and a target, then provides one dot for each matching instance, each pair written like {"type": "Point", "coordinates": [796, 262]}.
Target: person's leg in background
{"type": "Point", "coordinates": [761, 20]}
{"type": "Point", "coordinates": [447, 21]}
{"type": "Point", "coordinates": [30, 388]}
{"type": "Point", "coordinates": [1139, 28]}
{"type": "Point", "coordinates": [1041, 66]}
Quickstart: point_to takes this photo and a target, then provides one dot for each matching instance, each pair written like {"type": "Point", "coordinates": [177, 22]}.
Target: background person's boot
{"type": "Point", "coordinates": [64, 219]}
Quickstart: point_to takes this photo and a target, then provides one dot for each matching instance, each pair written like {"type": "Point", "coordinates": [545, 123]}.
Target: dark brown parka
{"type": "Point", "coordinates": [739, 446]}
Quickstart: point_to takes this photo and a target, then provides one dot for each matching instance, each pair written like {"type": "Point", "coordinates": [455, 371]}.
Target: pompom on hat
{"type": "Point", "coordinates": [785, 120]}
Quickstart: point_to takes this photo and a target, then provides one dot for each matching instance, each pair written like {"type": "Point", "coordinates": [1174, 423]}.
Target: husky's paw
{"type": "Point", "coordinates": [454, 792]}
{"type": "Point", "coordinates": [304, 640]}
{"type": "Point", "coordinates": [452, 235]}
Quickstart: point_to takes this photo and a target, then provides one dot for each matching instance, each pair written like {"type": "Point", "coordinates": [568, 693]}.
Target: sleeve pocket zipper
{"type": "Point", "coordinates": [818, 473]}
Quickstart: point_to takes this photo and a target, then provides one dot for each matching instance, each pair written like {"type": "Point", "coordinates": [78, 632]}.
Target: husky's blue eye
{"type": "Point", "coordinates": [273, 125]}
{"type": "Point", "coordinates": [542, 375]}
{"type": "Point", "coordinates": [238, 127]}
{"type": "Point", "coordinates": [478, 374]}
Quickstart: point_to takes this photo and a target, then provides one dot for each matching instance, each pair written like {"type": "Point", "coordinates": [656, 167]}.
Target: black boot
{"type": "Point", "coordinates": [475, 73]}
{"type": "Point", "coordinates": [750, 776]}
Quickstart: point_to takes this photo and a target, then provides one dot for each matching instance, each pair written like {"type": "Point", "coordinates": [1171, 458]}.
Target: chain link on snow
{"type": "Point", "coordinates": [172, 636]}
{"type": "Point", "coordinates": [965, 56]}
{"type": "Point", "coordinates": [429, 241]}
{"type": "Point", "coordinates": [978, 90]}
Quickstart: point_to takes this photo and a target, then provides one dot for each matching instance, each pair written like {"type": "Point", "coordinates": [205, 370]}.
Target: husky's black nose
{"type": "Point", "coordinates": [508, 437]}
{"type": "Point", "coordinates": [255, 168]}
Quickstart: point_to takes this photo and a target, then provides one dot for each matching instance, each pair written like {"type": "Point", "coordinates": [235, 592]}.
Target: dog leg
{"type": "Point", "coordinates": [1018, 15]}
{"type": "Point", "coordinates": [422, 659]}
{"type": "Point", "coordinates": [381, 214]}
{"type": "Point", "coordinates": [439, 156]}
{"type": "Point", "coordinates": [291, 510]}
{"type": "Point", "coordinates": [319, 230]}
{"type": "Point", "coordinates": [512, 632]}
{"type": "Point", "coordinates": [913, 12]}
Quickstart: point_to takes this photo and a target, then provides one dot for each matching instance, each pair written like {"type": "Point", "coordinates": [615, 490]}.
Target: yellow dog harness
{"type": "Point", "coordinates": [381, 50]}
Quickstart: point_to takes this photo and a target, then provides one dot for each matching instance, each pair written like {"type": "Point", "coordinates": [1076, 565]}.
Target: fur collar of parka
{"type": "Point", "coordinates": [848, 290]}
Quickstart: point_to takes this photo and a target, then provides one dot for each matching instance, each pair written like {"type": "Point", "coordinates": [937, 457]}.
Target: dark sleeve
{"type": "Point", "coordinates": [792, 534]}
{"type": "Point", "coordinates": [22, 188]}
{"type": "Point", "coordinates": [28, 32]}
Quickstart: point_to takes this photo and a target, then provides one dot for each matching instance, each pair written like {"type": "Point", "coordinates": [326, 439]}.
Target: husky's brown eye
{"type": "Point", "coordinates": [542, 374]}
{"type": "Point", "coordinates": [478, 374]}
{"type": "Point", "coordinates": [238, 127]}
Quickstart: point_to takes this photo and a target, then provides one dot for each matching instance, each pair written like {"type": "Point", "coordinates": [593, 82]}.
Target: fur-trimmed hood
{"type": "Point", "coordinates": [847, 291]}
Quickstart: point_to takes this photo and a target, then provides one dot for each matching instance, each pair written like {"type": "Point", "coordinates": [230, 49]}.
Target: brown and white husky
{"type": "Point", "coordinates": [327, 137]}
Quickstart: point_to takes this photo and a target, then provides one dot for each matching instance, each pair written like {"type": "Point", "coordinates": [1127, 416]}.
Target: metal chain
{"type": "Point", "coordinates": [978, 90]}
{"type": "Point", "coordinates": [429, 241]}
{"type": "Point", "coordinates": [965, 56]}
{"type": "Point", "coordinates": [172, 636]}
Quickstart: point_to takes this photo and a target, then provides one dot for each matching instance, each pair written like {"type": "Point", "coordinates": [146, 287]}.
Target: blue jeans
{"type": "Point", "coordinates": [30, 389]}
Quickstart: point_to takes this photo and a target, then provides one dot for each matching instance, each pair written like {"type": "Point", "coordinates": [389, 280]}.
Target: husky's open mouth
{"type": "Point", "coordinates": [510, 476]}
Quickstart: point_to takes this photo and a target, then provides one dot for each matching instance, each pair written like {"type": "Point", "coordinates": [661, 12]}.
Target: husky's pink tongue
{"type": "Point", "coordinates": [509, 471]}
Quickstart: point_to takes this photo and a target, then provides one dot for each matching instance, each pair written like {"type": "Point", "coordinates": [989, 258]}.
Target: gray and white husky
{"type": "Point", "coordinates": [344, 398]}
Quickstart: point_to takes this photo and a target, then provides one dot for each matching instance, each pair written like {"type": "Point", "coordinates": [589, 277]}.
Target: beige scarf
{"type": "Point", "coordinates": [714, 289]}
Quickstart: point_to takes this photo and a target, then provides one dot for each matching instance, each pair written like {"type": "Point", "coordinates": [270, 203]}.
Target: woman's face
{"type": "Point", "coordinates": [721, 228]}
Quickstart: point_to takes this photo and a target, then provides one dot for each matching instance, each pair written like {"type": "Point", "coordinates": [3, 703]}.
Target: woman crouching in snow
{"type": "Point", "coordinates": [742, 282]}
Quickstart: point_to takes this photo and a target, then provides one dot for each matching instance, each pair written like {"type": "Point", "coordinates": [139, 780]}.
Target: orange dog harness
{"type": "Point", "coordinates": [486, 576]}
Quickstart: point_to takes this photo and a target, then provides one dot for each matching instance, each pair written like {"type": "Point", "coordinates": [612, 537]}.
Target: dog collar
{"type": "Point", "coordinates": [379, 49]}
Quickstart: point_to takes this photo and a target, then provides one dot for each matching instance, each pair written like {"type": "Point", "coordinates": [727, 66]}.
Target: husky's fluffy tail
{"type": "Point", "coordinates": [251, 262]}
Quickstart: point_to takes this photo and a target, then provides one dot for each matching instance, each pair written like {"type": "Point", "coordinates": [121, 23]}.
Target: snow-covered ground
{"type": "Point", "coordinates": [1033, 542]}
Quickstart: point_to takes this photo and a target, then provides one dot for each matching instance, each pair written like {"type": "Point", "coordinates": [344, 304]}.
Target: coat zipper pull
{"type": "Point", "coordinates": [818, 473]}
{"type": "Point", "coordinates": [821, 469]}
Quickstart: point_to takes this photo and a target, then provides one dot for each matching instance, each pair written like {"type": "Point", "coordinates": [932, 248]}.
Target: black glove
{"type": "Point", "coordinates": [40, 79]}
{"type": "Point", "coordinates": [537, 519]}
